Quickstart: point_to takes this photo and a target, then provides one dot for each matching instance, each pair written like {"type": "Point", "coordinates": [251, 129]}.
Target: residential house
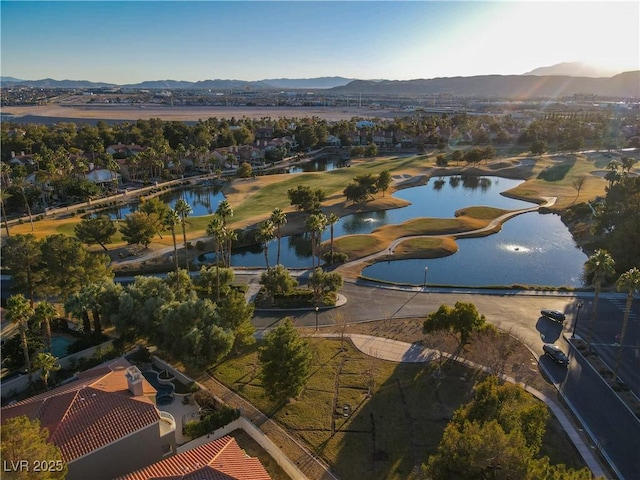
{"type": "Point", "coordinates": [382, 138]}
{"type": "Point", "coordinates": [264, 133]}
{"type": "Point", "coordinates": [105, 422]}
{"type": "Point", "coordinates": [218, 459]}
{"type": "Point", "coordinates": [251, 154]}
{"type": "Point", "coordinates": [21, 159]}
{"type": "Point", "coordinates": [123, 151]}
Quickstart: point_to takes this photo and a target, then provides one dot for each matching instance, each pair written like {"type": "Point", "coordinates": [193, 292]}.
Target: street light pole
{"type": "Point", "coordinates": [317, 308]}
{"type": "Point", "coordinates": [424, 284]}
{"type": "Point", "coordinates": [575, 322]}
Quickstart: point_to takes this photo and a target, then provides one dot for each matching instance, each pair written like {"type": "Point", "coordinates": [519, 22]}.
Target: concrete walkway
{"type": "Point", "coordinates": [395, 351]}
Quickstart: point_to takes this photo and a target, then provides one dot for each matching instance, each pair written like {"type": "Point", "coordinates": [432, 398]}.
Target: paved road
{"type": "Point", "coordinates": [519, 313]}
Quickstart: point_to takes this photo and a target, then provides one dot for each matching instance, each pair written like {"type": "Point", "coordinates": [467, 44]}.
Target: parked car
{"type": "Point", "coordinates": [554, 315]}
{"type": "Point", "coordinates": [556, 354]}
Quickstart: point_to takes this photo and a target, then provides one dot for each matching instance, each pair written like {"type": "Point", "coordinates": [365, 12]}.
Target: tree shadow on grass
{"type": "Point", "coordinates": [557, 172]}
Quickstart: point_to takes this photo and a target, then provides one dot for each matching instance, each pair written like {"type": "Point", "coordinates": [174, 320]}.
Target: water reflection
{"type": "Point", "coordinates": [532, 249]}
{"type": "Point", "coordinates": [320, 165]}
{"type": "Point", "coordinates": [204, 200]}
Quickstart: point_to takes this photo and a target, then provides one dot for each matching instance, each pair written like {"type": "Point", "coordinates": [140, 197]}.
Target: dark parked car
{"type": "Point", "coordinates": [555, 353]}
{"type": "Point", "coordinates": [554, 315]}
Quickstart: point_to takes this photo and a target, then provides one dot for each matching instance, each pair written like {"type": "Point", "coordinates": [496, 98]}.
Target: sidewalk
{"type": "Point", "coordinates": [395, 351]}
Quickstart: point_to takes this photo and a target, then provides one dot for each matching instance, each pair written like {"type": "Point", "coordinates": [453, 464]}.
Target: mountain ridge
{"type": "Point", "coordinates": [625, 84]}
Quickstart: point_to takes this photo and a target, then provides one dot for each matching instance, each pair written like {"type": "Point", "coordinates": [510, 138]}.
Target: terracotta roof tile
{"type": "Point", "coordinates": [90, 413]}
{"type": "Point", "coordinates": [221, 459]}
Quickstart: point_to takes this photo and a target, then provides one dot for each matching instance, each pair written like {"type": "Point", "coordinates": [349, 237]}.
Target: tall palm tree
{"type": "Point", "coordinates": [171, 219]}
{"type": "Point", "coordinates": [332, 218]}
{"type": "Point", "coordinates": [183, 209]}
{"type": "Point", "coordinates": [229, 236]}
{"type": "Point", "coordinates": [279, 219]}
{"type": "Point", "coordinates": [44, 312]}
{"type": "Point", "coordinates": [315, 224]}
{"type": "Point", "coordinates": [215, 229]}
{"type": "Point", "coordinates": [600, 265]}
{"type": "Point", "coordinates": [4, 196]}
{"type": "Point", "coordinates": [266, 232]}
{"type": "Point", "coordinates": [629, 281]}
{"type": "Point", "coordinates": [19, 311]}
{"type": "Point", "coordinates": [224, 210]}
{"type": "Point", "coordinates": [20, 183]}
{"type": "Point", "coordinates": [113, 166]}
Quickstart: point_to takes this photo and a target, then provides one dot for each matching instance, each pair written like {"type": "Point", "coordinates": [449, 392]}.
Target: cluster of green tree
{"type": "Point", "coordinates": [577, 130]}
{"type": "Point", "coordinates": [618, 215]}
{"type": "Point", "coordinates": [279, 284]}
{"type": "Point", "coordinates": [55, 266]}
{"type": "Point", "coordinates": [497, 435]}
{"type": "Point", "coordinates": [177, 314]}
{"type": "Point", "coordinates": [24, 440]}
{"type": "Point", "coordinates": [364, 187]}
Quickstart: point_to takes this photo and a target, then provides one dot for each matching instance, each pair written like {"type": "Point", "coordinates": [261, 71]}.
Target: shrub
{"type": "Point", "coordinates": [209, 423]}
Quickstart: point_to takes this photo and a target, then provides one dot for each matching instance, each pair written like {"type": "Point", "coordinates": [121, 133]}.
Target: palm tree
{"type": "Point", "coordinates": [78, 306]}
{"type": "Point", "coordinates": [4, 196]}
{"type": "Point", "coordinates": [215, 229]}
{"type": "Point", "coordinates": [315, 224]}
{"type": "Point", "coordinates": [44, 313]}
{"type": "Point", "coordinates": [629, 281]}
{"type": "Point", "coordinates": [183, 209]}
{"type": "Point", "coordinates": [19, 311]}
{"type": "Point", "coordinates": [229, 237]}
{"type": "Point", "coordinates": [332, 218]}
{"type": "Point", "coordinates": [266, 233]}
{"type": "Point", "coordinates": [600, 265]}
{"type": "Point", "coordinates": [47, 363]}
{"type": "Point", "coordinates": [171, 219]}
{"type": "Point", "coordinates": [279, 219]}
{"type": "Point", "coordinates": [113, 166]}
{"type": "Point", "coordinates": [224, 210]}
{"type": "Point", "coordinates": [20, 184]}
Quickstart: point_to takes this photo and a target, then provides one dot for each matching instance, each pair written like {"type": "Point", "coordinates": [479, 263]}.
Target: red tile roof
{"type": "Point", "coordinates": [221, 459]}
{"type": "Point", "coordinates": [91, 412]}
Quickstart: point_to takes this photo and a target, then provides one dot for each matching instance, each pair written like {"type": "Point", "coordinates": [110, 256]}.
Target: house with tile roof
{"type": "Point", "coordinates": [105, 422]}
{"type": "Point", "coordinates": [219, 459]}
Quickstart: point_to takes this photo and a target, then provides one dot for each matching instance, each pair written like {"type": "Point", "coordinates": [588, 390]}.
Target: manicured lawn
{"type": "Point", "coordinates": [386, 435]}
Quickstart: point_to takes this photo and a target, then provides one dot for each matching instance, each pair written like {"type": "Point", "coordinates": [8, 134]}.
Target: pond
{"type": "Point", "coordinates": [324, 164]}
{"type": "Point", "coordinates": [531, 249]}
{"type": "Point", "coordinates": [435, 199]}
{"type": "Point", "coordinates": [204, 200]}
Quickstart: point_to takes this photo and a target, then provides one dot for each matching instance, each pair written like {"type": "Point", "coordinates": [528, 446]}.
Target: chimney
{"type": "Point", "coordinates": [134, 381]}
{"type": "Point", "coordinates": [13, 154]}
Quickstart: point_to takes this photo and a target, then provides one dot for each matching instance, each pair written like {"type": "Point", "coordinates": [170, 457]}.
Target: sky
{"type": "Point", "coordinates": [130, 42]}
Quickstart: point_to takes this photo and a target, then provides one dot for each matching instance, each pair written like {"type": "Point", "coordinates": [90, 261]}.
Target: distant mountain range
{"type": "Point", "coordinates": [218, 84]}
{"type": "Point", "coordinates": [575, 69]}
{"type": "Point", "coordinates": [564, 79]}
{"type": "Point", "coordinates": [503, 86]}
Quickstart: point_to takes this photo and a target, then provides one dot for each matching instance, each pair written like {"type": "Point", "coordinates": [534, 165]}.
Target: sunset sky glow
{"type": "Point", "coordinates": [128, 42]}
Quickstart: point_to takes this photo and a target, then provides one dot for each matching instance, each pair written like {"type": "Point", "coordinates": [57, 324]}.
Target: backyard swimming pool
{"type": "Point", "coordinates": [164, 392]}
{"type": "Point", "coordinates": [59, 344]}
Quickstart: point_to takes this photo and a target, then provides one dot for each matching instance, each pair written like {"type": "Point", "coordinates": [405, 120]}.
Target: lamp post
{"type": "Point", "coordinates": [424, 284]}
{"type": "Point", "coordinates": [575, 322]}
{"type": "Point", "coordinates": [317, 308]}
